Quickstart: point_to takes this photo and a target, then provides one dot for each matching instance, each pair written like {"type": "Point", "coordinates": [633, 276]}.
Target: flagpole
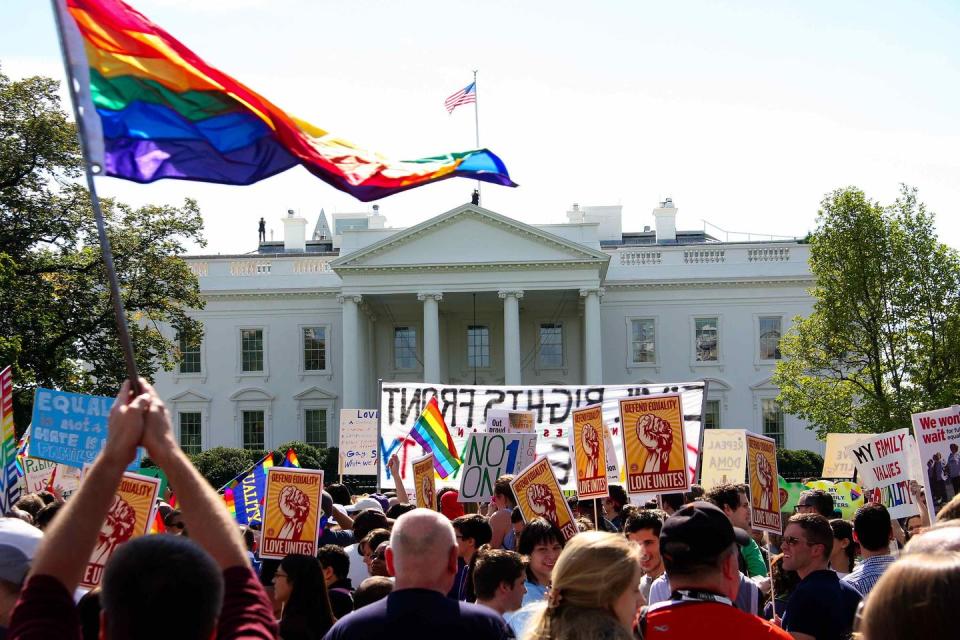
{"type": "Point", "coordinates": [379, 428]}
{"type": "Point", "coordinates": [476, 116]}
{"type": "Point", "coordinates": [105, 248]}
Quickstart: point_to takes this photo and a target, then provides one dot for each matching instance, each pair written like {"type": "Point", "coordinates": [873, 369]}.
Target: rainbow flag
{"type": "Point", "coordinates": [9, 476]}
{"type": "Point", "coordinates": [291, 459]}
{"type": "Point", "coordinates": [431, 432]}
{"type": "Point", "coordinates": [244, 494]}
{"type": "Point", "coordinates": [165, 113]}
{"type": "Point", "coordinates": [229, 502]}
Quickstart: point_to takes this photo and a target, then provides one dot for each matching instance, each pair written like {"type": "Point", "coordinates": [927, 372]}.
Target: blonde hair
{"type": "Point", "coordinates": [593, 570]}
{"type": "Point", "coordinates": [917, 597]}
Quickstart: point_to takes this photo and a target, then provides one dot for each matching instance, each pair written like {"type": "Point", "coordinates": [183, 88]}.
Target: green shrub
{"type": "Point", "coordinates": [796, 464]}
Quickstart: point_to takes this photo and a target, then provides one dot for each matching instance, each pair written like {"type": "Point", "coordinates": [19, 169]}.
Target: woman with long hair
{"type": "Point", "coordinates": [595, 591]}
{"type": "Point", "coordinates": [845, 548]}
{"type": "Point", "coordinates": [301, 590]}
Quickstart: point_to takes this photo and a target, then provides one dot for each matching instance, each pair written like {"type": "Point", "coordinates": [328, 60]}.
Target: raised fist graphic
{"type": "Point", "coordinates": [542, 502]}
{"type": "Point", "coordinates": [765, 477]}
{"type": "Point", "coordinates": [591, 444]}
{"type": "Point", "coordinates": [656, 436]}
{"type": "Point", "coordinates": [426, 490]}
{"type": "Point", "coordinates": [116, 529]}
{"type": "Point", "coordinates": [295, 506]}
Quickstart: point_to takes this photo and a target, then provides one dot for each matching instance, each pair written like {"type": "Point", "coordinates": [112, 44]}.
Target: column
{"type": "Point", "coordinates": [592, 343]}
{"type": "Point", "coordinates": [352, 398]}
{"type": "Point", "coordinates": [511, 334]}
{"type": "Point", "coordinates": [431, 335]}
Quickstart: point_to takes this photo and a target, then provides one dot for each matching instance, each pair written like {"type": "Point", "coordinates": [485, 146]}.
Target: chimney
{"type": "Point", "coordinates": [377, 220]}
{"type": "Point", "coordinates": [294, 233]}
{"type": "Point", "coordinates": [665, 218]}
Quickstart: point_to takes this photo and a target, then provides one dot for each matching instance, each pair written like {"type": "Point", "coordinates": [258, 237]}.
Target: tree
{"type": "Point", "coordinates": [884, 337]}
{"type": "Point", "coordinates": [56, 320]}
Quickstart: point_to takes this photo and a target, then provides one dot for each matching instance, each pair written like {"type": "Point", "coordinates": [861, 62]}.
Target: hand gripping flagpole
{"type": "Point", "coordinates": [90, 168]}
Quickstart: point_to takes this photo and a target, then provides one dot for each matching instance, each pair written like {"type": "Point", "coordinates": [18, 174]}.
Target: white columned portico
{"type": "Point", "coordinates": [431, 335]}
{"type": "Point", "coordinates": [511, 334]}
{"type": "Point", "coordinates": [352, 393]}
{"type": "Point", "coordinates": [592, 344]}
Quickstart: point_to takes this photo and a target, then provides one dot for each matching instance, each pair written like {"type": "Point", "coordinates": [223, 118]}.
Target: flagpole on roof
{"type": "Point", "coordinates": [476, 116]}
{"type": "Point", "coordinates": [91, 167]}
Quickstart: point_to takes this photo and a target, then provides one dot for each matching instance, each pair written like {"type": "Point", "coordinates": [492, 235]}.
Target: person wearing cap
{"type": "Point", "coordinates": [734, 501]}
{"type": "Point", "coordinates": [18, 544]}
{"type": "Point", "coordinates": [822, 607]}
{"type": "Point", "coordinates": [699, 547]}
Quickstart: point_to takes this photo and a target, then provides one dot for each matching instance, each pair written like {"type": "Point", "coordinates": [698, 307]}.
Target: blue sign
{"type": "Point", "coordinates": [70, 428]}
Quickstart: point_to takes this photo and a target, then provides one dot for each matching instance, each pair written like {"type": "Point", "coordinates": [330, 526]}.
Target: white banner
{"type": "Point", "coordinates": [883, 469]}
{"type": "Point", "coordinates": [465, 408]}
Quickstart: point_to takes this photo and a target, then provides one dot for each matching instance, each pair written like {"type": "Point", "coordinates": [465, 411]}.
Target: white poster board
{"type": "Point", "coordinates": [358, 442]}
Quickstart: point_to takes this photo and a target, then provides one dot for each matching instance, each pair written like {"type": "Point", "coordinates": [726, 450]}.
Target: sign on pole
{"type": "Point", "coordinates": [724, 458]}
{"type": "Point", "coordinates": [292, 509]}
{"type": "Point", "coordinates": [425, 482]}
{"type": "Point", "coordinates": [764, 489]}
{"type": "Point", "coordinates": [883, 468]}
{"type": "Point", "coordinates": [837, 462]}
{"type": "Point", "coordinates": [487, 456]}
{"type": "Point", "coordinates": [538, 495]}
{"type": "Point", "coordinates": [938, 443]}
{"type": "Point", "coordinates": [358, 442]}
{"type": "Point", "coordinates": [654, 444]}
{"type": "Point", "coordinates": [590, 452]}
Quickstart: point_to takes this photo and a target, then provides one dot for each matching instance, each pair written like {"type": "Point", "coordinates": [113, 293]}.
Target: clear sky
{"type": "Point", "coordinates": [745, 113]}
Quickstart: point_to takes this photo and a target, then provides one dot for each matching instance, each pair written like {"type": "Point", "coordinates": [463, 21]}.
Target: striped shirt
{"type": "Point", "coordinates": [865, 575]}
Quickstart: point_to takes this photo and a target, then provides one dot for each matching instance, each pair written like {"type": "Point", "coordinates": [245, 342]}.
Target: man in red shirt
{"type": "Point", "coordinates": [205, 582]}
{"type": "Point", "coordinates": [700, 552]}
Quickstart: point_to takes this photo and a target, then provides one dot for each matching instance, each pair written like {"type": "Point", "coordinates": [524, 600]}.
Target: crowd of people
{"type": "Point", "coordinates": [682, 566]}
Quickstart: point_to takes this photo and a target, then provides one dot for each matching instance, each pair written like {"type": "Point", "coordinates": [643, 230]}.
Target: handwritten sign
{"type": "Point", "coordinates": [70, 428]}
{"type": "Point", "coordinates": [653, 444]}
{"type": "Point", "coordinates": [538, 495]}
{"type": "Point", "coordinates": [358, 442]}
{"type": "Point", "coordinates": [764, 490]}
{"type": "Point", "coordinates": [724, 457]}
{"type": "Point", "coordinates": [291, 520]}
{"type": "Point", "coordinates": [883, 468]}
{"type": "Point", "coordinates": [938, 443]}
{"type": "Point", "coordinates": [487, 456]}
{"type": "Point", "coordinates": [40, 474]}
{"type": "Point", "coordinates": [836, 461]}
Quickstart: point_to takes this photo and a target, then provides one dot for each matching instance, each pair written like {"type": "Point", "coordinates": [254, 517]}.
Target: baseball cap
{"type": "Point", "coordinates": [364, 503]}
{"type": "Point", "coordinates": [699, 531]}
{"type": "Point", "coordinates": [18, 544]}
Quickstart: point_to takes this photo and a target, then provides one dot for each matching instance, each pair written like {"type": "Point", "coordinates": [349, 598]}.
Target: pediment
{"type": "Point", "coordinates": [315, 393]}
{"type": "Point", "coordinates": [251, 393]}
{"type": "Point", "coordinates": [765, 385]}
{"type": "Point", "coordinates": [189, 396]}
{"type": "Point", "coordinates": [471, 236]}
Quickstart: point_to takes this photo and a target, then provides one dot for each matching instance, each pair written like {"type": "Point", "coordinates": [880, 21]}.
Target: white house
{"type": "Point", "coordinates": [302, 328]}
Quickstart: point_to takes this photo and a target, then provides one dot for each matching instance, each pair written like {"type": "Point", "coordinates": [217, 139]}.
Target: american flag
{"type": "Point", "coordinates": [465, 96]}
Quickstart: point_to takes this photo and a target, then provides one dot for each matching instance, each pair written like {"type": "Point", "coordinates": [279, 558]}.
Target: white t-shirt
{"type": "Point", "coordinates": [358, 568]}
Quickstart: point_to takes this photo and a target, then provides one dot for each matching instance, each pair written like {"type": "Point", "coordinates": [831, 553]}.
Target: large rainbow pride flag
{"type": "Point", "coordinates": [431, 432]}
{"type": "Point", "coordinates": [164, 113]}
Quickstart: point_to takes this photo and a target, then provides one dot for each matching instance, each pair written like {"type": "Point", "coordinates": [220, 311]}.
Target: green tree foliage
{"type": "Point", "coordinates": [56, 320]}
{"type": "Point", "coordinates": [220, 465]}
{"type": "Point", "coordinates": [884, 337]}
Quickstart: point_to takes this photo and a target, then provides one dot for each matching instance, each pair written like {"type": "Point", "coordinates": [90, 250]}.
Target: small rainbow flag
{"type": "Point", "coordinates": [229, 502]}
{"type": "Point", "coordinates": [432, 434]}
{"type": "Point", "coordinates": [291, 459]}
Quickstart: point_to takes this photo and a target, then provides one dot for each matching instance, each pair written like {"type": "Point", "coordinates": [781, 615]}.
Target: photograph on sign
{"type": "Point", "coordinates": [538, 495]}
{"type": "Point", "coordinates": [130, 515]}
{"type": "Point", "coordinates": [358, 442]}
{"type": "Point", "coordinates": [764, 489]}
{"type": "Point", "coordinates": [883, 469]}
{"type": "Point", "coordinates": [425, 482]}
{"type": "Point", "coordinates": [487, 456]}
{"type": "Point", "coordinates": [837, 464]}
{"type": "Point", "coordinates": [291, 512]}
{"type": "Point", "coordinates": [520, 421]}
{"type": "Point", "coordinates": [724, 457]}
{"type": "Point", "coordinates": [938, 443]}
{"type": "Point", "coordinates": [590, 452]}
{"type": "Point", "coordinates": [653, 444]}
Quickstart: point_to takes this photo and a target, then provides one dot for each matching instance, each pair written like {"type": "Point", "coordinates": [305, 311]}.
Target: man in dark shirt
{"type": "Point", "coordinates": [186, 577]}
{"type": "Point", "coordinates": [336, 568]}
{"type": "Point", "coordinates": [822, 607]}
{"type": "Point", "coordinates": [423, 557]}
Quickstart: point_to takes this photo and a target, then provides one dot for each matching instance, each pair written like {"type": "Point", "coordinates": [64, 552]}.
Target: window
{"type": "Point", "coordinates": [253, 430]}
{"type": "Point", "coordinates": [643, 341]}
{"type": "Point", "coordinates": [315, 421]}
{"type": "Point", "coordinates": [190, 432]}
{"type": "Point", "coordinates": [478, 346]}
{"type": "Point", "coordinates": [770, 338]}
{"type": "Point", "coordinates": [773, 420]}
{"type": "Point", "coordinates": [711, 415]}
{"type": "Point", "coordinates": [251, 349]}
{"type": "Point", "coordinates": [405, 348]}
{"type": "Point", "coordinates": [707, 339]}
{"type": "Point", "coordinates": [551, 345]}
{"type": "Point", "coordinates": [314, 348]}
{"type": "Point", "coordinates": [189, 355]}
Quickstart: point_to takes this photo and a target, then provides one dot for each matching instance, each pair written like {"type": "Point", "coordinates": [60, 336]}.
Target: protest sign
{"type": "Point", "coordinates": [614, 473]}
{"type": "Point", "coordinates": [425, 482]}
{"type": "Point", "coordinates": [653, 444]}
{"type": "Point", "coordinates": [130, 515]}
{"type": "Point", "coordinates": [847, 496]}
{"type": "Point", "coordinates": [764, 492]}
{"type": "Point", "coordinates": [42, 475]}
{"type": "Point", "coordinates": [836, 460]}
{"type": "Point", "coordinates": [465, 408]}
{"type": "Point", "coordinates": [938, 444]}
{"type": "Point", "coordinates": [724, 457]}
{"type": "Point", "coordinates": [504, 421]}
{"type": "Point", "coordinates": [538, 495]}
{"type": "Point", "coordinates": [789, 494]}
{"type": "Point", "coordinates": [883, 468]}
{"type": "Point", "coordinates": [154, 472]}
{"type": "Point", "coordinates": [358, 442]}
{"type": "Point", "coordinates": [70, 428]}
{"type": "Point", "coordinates": [590, 452]}
{"type": "Point", "coordinates": [487, 456]}
{"type": "Point", "coordinates": [291, 512]}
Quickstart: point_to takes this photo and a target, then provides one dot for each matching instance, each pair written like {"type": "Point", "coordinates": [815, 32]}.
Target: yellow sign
{"type": "Point", "coordinates": [653, 444]}
{"type": "Point", "coordinates": [590, 452]}
{"type": "Point", "coordinates": [291, 520]}
{"type": "Point", "coordinates": [837, 462]}
{"type": "Point", "coordinates": [130, 515]}
{"type": "Point", "coordinates": [764, 488]}
{"type": "Point", "coordinates": [723, 459]}
{"type": "Point", "coordinates": [847, 496]}
{"type": "Point", "coordinates": [538, 495]}
{"type": "Point", "coordinates": [425, 482]}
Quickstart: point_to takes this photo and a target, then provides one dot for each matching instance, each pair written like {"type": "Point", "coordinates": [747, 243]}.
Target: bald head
{"type": "Point", "coordinates": [423, 551]}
